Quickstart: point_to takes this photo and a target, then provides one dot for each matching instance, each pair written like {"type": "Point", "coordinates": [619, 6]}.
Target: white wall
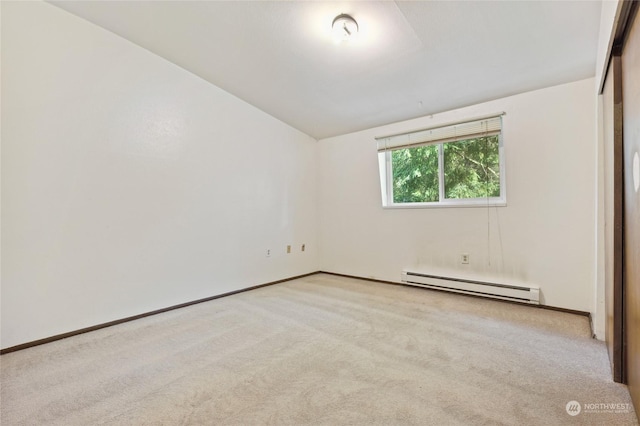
{"type": "Point", "coordinates": [605, 37]}
{"type": "Point", "coordinates": [545, 235]}
{"type": "Point", "coordinates": [129, 184]}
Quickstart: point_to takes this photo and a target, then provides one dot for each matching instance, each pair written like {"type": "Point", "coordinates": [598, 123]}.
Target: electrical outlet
{"type": "Point", "coordinates": [464, 258]}
{"type": "Point", "coordinates": [288, 249]}
{"type": "Point", "coordinates": [302, 248]}
{"type": "Point", "coordinates": [268, 252]}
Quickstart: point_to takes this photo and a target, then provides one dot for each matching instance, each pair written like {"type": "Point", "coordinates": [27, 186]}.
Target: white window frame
{"type": "Point", "coordinates": [386, 177]}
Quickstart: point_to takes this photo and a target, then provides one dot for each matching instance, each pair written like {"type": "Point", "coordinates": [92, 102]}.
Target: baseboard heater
{"type": "Point", "coordinates": [478, 288]}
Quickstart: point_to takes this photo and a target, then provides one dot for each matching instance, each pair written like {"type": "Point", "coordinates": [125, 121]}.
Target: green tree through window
{"type": "Point", "coordinates": [471, 170]}
{"type": "Point", "coordinates": [415, 174]}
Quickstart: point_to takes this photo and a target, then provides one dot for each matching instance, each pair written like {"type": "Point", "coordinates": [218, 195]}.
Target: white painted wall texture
{"type": "Point", "coordinates": [544, 236]}
{"type": "Point", "coordinates": [605, 37]}
{"type": "Point", "coordinates": [129, 184]}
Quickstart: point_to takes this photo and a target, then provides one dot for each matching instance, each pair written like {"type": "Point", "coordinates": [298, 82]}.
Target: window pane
{"type": "Point", "coordinates": [415, 174]}
{"type": "Point", "coordinates": [472, 168]}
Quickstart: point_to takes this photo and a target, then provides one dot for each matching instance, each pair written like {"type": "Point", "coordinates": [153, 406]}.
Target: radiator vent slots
{"type": "Point", "coordinates": [478, 288]}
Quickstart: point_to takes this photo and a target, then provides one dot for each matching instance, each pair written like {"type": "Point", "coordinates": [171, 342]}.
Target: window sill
{"type": "Point", "coordinates": [447, 204]}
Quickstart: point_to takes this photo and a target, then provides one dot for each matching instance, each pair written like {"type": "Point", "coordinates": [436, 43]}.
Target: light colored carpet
{"type": "Point", "coordinates": [320, 350]}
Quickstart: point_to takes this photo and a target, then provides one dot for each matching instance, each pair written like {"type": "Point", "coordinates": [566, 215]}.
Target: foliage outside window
{"type": "Point", "coordinates": [461, 170]}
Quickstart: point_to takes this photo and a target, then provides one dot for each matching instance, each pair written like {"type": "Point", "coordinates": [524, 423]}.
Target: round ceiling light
{"type": "Point", "coordinates": [344, 27]}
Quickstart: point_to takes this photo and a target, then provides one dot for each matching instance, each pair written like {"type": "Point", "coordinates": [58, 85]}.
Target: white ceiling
{"type": "Point", "coordinates": [280, 56]}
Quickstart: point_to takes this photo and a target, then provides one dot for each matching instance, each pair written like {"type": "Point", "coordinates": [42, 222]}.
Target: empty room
{"type": "Point", "coordinates": [311, 212]}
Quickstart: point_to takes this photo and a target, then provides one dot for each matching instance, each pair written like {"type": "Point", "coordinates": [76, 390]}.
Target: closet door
{"type": "Point", "coordinates": [613, 207]}
{"type": "Point", "coordinates": [631, 154]}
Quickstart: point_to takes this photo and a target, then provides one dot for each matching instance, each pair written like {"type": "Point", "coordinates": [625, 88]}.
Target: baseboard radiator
{"type": "Point", "coordinates": [477, 288]}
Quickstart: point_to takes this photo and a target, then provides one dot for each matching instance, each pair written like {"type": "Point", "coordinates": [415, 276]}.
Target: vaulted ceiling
{"type": "Point", "coordinates": [409, 59]}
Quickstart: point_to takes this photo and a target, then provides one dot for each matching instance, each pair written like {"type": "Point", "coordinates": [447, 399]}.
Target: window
{"type": "Point", "coordinates": [459, 164]}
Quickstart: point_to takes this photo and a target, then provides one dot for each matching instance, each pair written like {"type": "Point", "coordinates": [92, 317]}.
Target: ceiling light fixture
{"type": "Point", "coordinates": [344, 27]}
